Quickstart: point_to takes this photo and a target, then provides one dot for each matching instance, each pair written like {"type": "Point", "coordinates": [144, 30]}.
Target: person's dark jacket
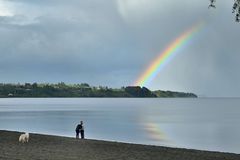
{"type": "Point", "coordinates": [78, 128]}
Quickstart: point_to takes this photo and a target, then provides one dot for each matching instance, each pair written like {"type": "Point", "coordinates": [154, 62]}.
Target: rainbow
{"type": "Point", "coordinates": [164, 57]}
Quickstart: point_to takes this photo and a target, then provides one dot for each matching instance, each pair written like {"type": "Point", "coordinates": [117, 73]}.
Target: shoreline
{"type": "Point", "coordinates": [121, 142]}
{"type": "Point", "coordinates": [60, 148]}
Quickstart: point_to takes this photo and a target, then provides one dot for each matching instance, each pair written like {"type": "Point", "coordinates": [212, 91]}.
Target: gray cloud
{"type": "Point", "coordinates": [112, 42]}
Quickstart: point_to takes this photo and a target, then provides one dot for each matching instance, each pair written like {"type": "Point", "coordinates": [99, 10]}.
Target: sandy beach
{"type": "Point", "coordinates": [45, 147]}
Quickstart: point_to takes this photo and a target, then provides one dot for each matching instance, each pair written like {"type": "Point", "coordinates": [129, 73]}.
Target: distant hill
{"type": "Point", "coordinates": [160, 93]}
{"type": "Point", "coordinates": [81, 90]}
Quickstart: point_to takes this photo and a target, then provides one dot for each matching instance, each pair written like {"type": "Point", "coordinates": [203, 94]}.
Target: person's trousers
{"type": "Point", "coordinates": [82, 134]}
{"type": "Point", "coordinates": [77, 134]}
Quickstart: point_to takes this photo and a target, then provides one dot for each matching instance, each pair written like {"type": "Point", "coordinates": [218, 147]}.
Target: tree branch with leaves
{"type": "Point", "coordinates": [235, 8]}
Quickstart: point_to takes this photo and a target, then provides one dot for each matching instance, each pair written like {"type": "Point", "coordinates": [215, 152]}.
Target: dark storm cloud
{"type": "Point", "coordinates": [111, 42]}
{"type": "Point", "coordinates": [75, 44]}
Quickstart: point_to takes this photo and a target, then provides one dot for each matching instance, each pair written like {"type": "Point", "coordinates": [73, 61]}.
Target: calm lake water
{"type": "Point", "coordinates": [207, 124]}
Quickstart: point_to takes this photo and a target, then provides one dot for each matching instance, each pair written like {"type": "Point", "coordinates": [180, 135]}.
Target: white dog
{"type": "Point", "coordinates": [24, 138]}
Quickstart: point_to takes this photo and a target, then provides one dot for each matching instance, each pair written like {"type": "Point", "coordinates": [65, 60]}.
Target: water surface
{"type": "Point", "coordinates": [208, 124]}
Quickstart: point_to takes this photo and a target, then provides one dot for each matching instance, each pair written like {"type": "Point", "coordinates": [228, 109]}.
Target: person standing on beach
{"type": "Point", "coordinates": [80, 129]}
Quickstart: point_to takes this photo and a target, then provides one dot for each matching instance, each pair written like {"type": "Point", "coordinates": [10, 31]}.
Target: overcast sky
{"type": "Point", "coordinates": [111, 42]}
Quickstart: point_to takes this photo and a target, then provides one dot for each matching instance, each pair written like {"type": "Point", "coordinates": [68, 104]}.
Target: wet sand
{"type": "Point", "coordinates": [45, 147]}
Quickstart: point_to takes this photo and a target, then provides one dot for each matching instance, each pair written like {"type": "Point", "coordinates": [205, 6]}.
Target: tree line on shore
{"type": "Point", "coordinates": [81, 90]}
